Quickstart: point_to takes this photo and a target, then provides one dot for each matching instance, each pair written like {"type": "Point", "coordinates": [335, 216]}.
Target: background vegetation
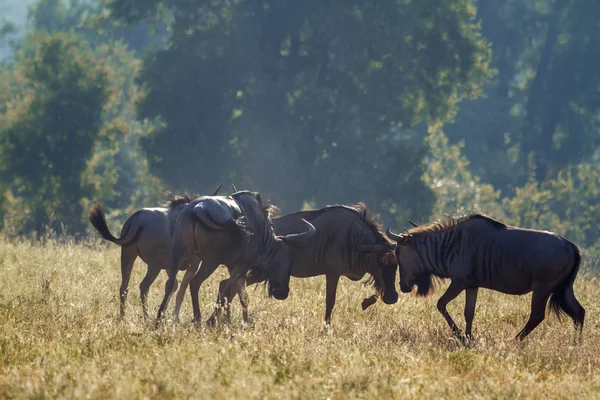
{"type": "Point", "coordinates": [418, 109]}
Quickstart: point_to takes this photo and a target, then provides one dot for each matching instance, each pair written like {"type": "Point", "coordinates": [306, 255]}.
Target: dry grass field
{"type": "Point", "coordinates": [60, 338]}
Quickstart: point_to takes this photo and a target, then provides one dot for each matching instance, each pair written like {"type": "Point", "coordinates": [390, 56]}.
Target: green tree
{"type": "Point", "coordinates": [117, 170]}
{"type": "Point", "coordinates": [290, 97]}
{"type": "Point", "coordinates": [542, 105]}
{"type": "Point", "coordinates": [566, 203]}
{"type": "Point", "coordinates": [49, 129]}
{"type": "Point", "coordinates": [458, 191]}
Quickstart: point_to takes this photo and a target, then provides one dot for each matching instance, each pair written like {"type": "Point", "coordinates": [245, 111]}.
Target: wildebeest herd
{"type": "Point", "coordinates": [242, 232]}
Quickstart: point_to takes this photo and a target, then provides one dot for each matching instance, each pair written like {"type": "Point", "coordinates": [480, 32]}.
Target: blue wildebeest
{"type": "Point", "coordinates": [348, 242]}
{"type": "Point", "coordinates": [145, 234]}
{"type": "Point", "coordinates": [477, 251]}
{"type": "Point", "coordinates": [233, 230]}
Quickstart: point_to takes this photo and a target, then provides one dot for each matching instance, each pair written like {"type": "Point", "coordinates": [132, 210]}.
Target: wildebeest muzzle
{"type": "Point", "coordinates": [389, 266]}
{"type": "Point", "coordinates": [280, 293]}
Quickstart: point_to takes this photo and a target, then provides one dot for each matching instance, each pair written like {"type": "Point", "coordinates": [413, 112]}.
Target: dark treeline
{"type": "Point", "coordinates": [417, 108]}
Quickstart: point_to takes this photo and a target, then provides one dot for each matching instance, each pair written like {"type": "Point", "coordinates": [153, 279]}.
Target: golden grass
{"type": "Point", "coordinates": [60, 337]}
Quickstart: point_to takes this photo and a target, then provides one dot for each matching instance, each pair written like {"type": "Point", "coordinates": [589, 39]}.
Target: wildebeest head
{"type": "Point", "coordinates": [273, 253]}
{"type": "Point", "coordinates": [387, 266]}
{"type": "Point", "coordinates": [406, 256]}
{"type": "Point", "coordinates": [278, 268]}
{"type": "Point", "coordinates": [384, 251]}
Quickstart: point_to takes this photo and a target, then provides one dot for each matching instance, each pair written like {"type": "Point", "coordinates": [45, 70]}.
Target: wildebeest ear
{"type": "Point", "coordinates": [233, 188]}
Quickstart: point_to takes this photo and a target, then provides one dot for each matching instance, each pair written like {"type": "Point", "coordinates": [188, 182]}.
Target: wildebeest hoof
{"type": "Point", "coordinates": [247, 325]}
{"type": "Point", "coordinates": [459, 335]}
{"type": "Point", "coordinates": [212, 321]}
{"type": "Point", "coordinates": [197, 323]}
{"type": "Point", "coordinates": [468, 340]}
{"type": "Point", "coordinates": [368, 302]}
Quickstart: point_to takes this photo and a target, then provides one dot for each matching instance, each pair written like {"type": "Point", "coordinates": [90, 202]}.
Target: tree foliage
{"type": "Point", "coordinates": [109, 164]}
{"type": "Point", "coordinates": [291, 97]}
{"type": "Point", "coordinates": [60, 108]}
{"type": "Point", "coordinates": [419, 109]}
{"type": "Point", "coordinates": [543, 104]}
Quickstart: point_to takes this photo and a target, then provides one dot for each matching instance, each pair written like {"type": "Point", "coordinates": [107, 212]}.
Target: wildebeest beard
{"type": "Point", "coordinates": [425, 284]}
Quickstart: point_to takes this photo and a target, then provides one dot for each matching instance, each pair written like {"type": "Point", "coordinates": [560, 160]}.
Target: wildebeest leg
{"type": "Point", "coordinates": [539, 299]}
{"type": "Point", "coordinates": [173, 290]}
{"type": "Point", "coordinates": [151, 274]}
{"type": "Point", "coordinates": [206, 270]}
{"type": "Point", "coordinates": [187, 277]}
{"type": "Point", "coordinates": [219, 304]}
{"type": "Point", "coordinates": [244, 302]}
{"type": "Point", "coordinates": [451, 293]}
{"type": "Point", "coordinates": [331, 284]}
{"type": "Point", "coordinates": [228, 289]}
{"type": "Point", "coordinates": [177, 258]}
{"type": "Point", "coordinates": [244, 298]}
{"type": "Point", "coordinates": [471, 300]}
{"type": "Point", "coordinates": [369, 301]}
{"type": "Point", "coordinates": [128, 256]}
{"type": "Point", "coordinates": [238, 288]}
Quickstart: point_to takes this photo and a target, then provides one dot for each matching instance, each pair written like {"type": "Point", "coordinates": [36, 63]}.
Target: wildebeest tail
{"type": "Point", "coordinates": [558, 300]}
{"type": "Point", "coordinates": [98, 220]}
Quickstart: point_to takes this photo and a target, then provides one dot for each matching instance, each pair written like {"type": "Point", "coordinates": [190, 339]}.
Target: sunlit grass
{"type": "Point", "coordinates": [60, 337]}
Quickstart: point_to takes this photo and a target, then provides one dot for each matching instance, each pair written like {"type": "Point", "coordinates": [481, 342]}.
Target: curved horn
{"type": "Point", "coordinates": [301, 239]}
{"type": "Point", "coordinates": [216, 192]}
{"type": "Point", "coordinates": [390, 234]}
{"type": "Point", "coordinates": [233, 188]}
{"type": "Point", "coordinates": [413, 224]}
{"type": "Point", "coordinates": [370, 248]}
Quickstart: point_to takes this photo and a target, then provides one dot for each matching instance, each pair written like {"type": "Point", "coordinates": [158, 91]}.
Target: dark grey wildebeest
{"type": "Point", "coordinates": [477, 251]}
{"type": "Point", "coordinates": [348, 242]}
{"type": "Point", "coordinates": [233, 230]}
{"type": "Point", "coordinates": [145, 234]}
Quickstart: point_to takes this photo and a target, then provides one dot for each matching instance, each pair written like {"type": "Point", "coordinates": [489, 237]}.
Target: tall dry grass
{"type": "Point", "coordinates": [60, 338]}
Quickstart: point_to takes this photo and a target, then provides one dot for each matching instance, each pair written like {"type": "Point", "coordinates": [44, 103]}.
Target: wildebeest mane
{"type": "Point", "coordinates": [372, 222]}
{"type": "Point", "coordinates": [178, 200]}
{"type": "Point", "coordinates": [452, 222]}
{"type": "Point", "coordinates": [271, 211]}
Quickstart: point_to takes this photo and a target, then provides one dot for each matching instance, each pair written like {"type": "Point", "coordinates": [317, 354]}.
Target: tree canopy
{"type": "Point", "coordinates": [293, 97]}
{"type": "Point", "coordinates": [417, 108]}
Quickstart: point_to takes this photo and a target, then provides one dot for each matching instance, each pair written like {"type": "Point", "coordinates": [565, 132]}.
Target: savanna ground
{"type": "Point", "coordinates": [60, 337]}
